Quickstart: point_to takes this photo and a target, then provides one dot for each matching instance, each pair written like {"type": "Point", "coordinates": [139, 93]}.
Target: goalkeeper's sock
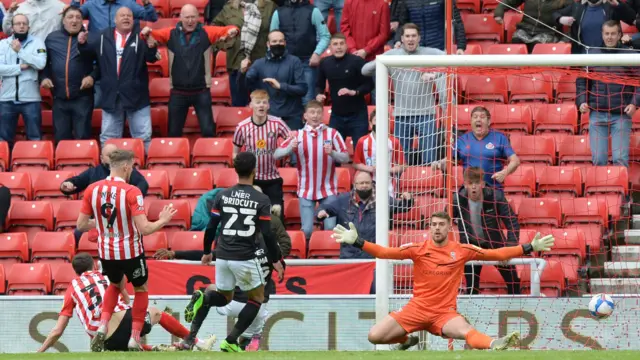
{"type": "Point", "coordinates": [173, 326]}
{"type": "Point", "coordinates": [108, 304]}
{"type": "Point", "coordinates": [478, 340]}
{"type": "Point", "coordinates": [214, 298]}
{"type": "Point", "coordinates": [138, 313]}
{"type": "Point", "coordinates": [245, 318]}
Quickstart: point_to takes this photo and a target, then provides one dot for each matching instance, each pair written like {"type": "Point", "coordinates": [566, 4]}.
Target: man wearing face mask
{"type": "Point", "coordinates": [44, 16]}
{"type": "Point", "coordinates": [359, 207]}
{"type": "Point", "coordinates": [21, 57]}
{"type": "Point", "coordinates": [282, 76]}
{"type": "Point", "coordinates": [318, 148]}
{"type": "Point", "coordinates": [70, 76]}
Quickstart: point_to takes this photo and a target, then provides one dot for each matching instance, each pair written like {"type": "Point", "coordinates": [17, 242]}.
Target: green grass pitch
{"type": "Point", "coordinates": [335, 355]}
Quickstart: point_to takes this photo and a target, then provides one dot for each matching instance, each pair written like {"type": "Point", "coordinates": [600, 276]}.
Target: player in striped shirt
{"type": "Point", "coordinates": [318, 148]}
{"type": "Point", "coordinates": [364, 157]}
{"type": "Point", "coordinates": [118, 210]}
{"type": "Point", "coordinates": [259, 135]}
{"type": "Point", "coordinates": [85, 297]}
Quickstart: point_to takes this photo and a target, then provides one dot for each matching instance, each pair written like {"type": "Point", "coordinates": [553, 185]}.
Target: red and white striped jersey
{"type": "Point", "coordinates": [365, 153]}
{"type": "Point", "coordinates": [113, 203]}
{"type": "Point", "coordinates": [85, 295]}
{"type": "Point", "coordinates": [317, 177]}
{"type": "Point", "coordinates": [262, 140]}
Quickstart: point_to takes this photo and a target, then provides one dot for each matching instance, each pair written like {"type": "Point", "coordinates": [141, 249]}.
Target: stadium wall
{"type": "Point", "coordinates": [342, 323]}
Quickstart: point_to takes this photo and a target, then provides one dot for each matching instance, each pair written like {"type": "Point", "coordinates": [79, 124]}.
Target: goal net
{"type": "Point", "coordinates": [567, 120]}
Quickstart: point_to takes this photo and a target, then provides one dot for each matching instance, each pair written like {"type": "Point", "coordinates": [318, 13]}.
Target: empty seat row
{"type": "Point", "coordinates": [525, 87]}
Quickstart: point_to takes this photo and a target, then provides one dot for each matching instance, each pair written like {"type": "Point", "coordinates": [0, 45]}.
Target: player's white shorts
{"type": "Point", "coordinates": [233, 309]}
{"type": "Point", "coordinates": [245, 274]}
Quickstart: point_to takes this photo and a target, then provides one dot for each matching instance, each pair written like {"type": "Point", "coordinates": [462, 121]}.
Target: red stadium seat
{"type": "Point", "coordinates": [30, 156]}
{"type": "Point", "coordinates": [322, 245]}
{"type": "Point", "coordinates": [628, 29]}
{"type": "Point", "coordinates": [568, 242]}
{"type": "Point", "coordinates": [480, 88]}
{"type": "Point", "coordinates": [472, 49]}
{"type": "Point", "coordinates": [552, 280]}
{"type": "Point", "coordinates": [90, 247]}
{"type": "Point", "coordinates": [220, 90]}
{"type": "Point", "coordinates": [29, 279]}
{"type": "Point", "coordinates": [556, 118]}
{"type": "Point", "coordinates": [3, 280]}
{"type": "Point", "coordinates": [227, 118]}
{"type": "Point", "coordinates": [566, 89]}
{"type": "Point", "coordinates": [62, 278]}
{"type": "Point", "coordinates": [181, 220]}
{"type": "Point", "coordinates": [507, 49]}
{"type": "Point", "coordinates": [422, 180]}
{"type": "Point", "coordinates": [18, 183]}
{"type": "Point", "coordinates": [552, 48]}
{"type": "Point", "coordinates": [176, 6]}
{"type": "Point", "coordinates": [292, 214]}
{"type": "Point", "coordinates": [482, 27]}
{"type": "Point", "coordinates": [289, 179]}
{"type": "Point", "coordinates": [158, 181]}
{"type": "Point", "coordinates": [510, 21]}
{"type": "Point", "coordinates": [53, 248]}
{"type": "Point", "coordinates": [511, 117]}
{"type": "Point", "coordinates": [220, 68]}
{"type": "Point", "coordinates": [574, 149]}
{"type": "Point", "coordinates": [155, 242]}
{"type": "Point", "coordinates": [135, 145]}
{"type": "Point", "coordinates": [607, 179]}
{"type": "Point", "coordinates": [414, 217]}
{"type": "Point", "coordinates": [186, 240]}
{"type": "Point", "coordinates": [159, 90]}
{"type": "Point", "coordinates": [191, 183]}
{"type": "Point", "coordinates": [162, 23]}
{"type": "Point", "coordinates": [77, 155]}
{"type": "Point", "coordinates": [162, 9]}
{"type": "Point", "coordinates": [468, 6]}
{"type": "Point", "coordinates": [30, 217]}
{"type": "Point", "coordinates": [159, 120]}
{"type": "Point", "coordinates": [168, 153]}
{"type": "Point", "coordinates": [212, 153]}
{"type": "Point", "coordinates": [225, 178]}
{"type": "Point", "coordinates": [634, 147]}
{"type": "Point", "coordinates": [46, 185]}
{"type": "Point", "coordinates": [67, 216]}
{"type": "Point", "coordinates": [488, 6]}
{"type": "Point", "coordinates": [4, 156]}
{"type": "Point", "coordinates": [160, 68]}
{"type": "Point", "coordinates": [521, 181]}
{"type": "Point", "coordinates": [530, 87]}
{"type": "Point", "coordinates": [298, 245]}
{"type": "Point", "coordinates": [540, 211]}
{"type": "Point", "coordinates": [14, 248]}
{"type": "Point", "coordinates": [534, 148]}
{"type": "Point", "coordinates": [491, 281]}
{"type": "Point", "coordinates": [585, 211]}
{"type": "Point", "coordinates": [344, 179]}
{"type": "Point", "coordinates": [560, 180]}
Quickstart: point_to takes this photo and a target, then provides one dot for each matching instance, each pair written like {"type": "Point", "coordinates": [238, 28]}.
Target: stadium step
{"type": "Point", "coordinates": [615, 286]}
{"type": "Point", "coordinates": [632, 236]}
{"type": "Point", "coordinates": [622, 269]}
{"type": "Point", "coordinates": [625, 253]}
{"type": "Point", "coordinates": [635, 222]}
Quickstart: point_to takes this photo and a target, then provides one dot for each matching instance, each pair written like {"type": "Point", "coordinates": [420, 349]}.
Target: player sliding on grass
{"type": "Point", "coordinates": [85, 295]}
{"type": "Point", "coordinates": [438, 265]}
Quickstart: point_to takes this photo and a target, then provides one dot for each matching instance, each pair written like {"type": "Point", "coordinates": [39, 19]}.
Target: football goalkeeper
{"type": "Point", "coordinates": [438, 266]}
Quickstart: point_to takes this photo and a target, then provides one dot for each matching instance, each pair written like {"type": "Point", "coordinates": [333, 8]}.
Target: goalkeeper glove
{"type": "Point", "coordinates": [350, 237]}
{"type": "Point", "coordinates": [539, 244]}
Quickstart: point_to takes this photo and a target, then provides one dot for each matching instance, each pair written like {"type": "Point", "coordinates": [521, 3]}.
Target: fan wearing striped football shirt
{"type": "Point", "coordinates": [318, 148]}
{"type": "Point", "coordinates": [84, 297]}
{"type": "Point", "coordinates": [364, 157]}
{"type": "Point", "coordinates": [118, 214]}
{"type": "Point", "coordinates": [259, 135]}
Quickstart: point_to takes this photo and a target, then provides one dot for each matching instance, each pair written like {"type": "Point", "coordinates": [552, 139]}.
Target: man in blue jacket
{"type": "Point", "coordinates": [101, 13]}
{"type": "Point", "coordinates": [122, 55]}
{"type": "Point", "coordinates": [70, 76]}
{"type": "Point", "coordinates": [282, 76]}
{"type": "Point", "coordinates": [21, 57]}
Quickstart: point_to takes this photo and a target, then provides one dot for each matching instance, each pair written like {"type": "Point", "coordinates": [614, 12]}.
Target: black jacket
{"type": "Point", "coordinates": [495, 209]}
{"type": "Point", "coordinates": [100, 172]}
{"type": "Point", "coordinates": [66, 66]}
{"type": "Point", "coordinates": [131, 86]}
{"type": "Point", "coordinates": [622, 12]}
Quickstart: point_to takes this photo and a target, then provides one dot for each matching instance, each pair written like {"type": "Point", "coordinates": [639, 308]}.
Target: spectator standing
{"type": "Point", "coordinates": [307, 37]}
{"type": "Point", "coordinates": [415, 105]}
{"type": "Point", "coordinates": [190, 45]}
{"type": "Point", "coordinates": [348, 88]}
{"type": "Point", "coordinates": [586, 18]}
{"type": "Point", "coordinates": [281, 75]}
{"type": "Point", "coordinates": [21, 57]}
{"type": "Point", "coordinates": [318, 148]}
{"type": "Point", "coordinates": [537, 13]}
{"type": "Point", "coordinates": [480, 211]}
{"type": "Point", "coordinates": [359, 207]}
{"type": "Point", "coordinates": [259, 135]}
{"type": "Point", "coordinates": [122, 59]}
{"type": "Point", "coordinates": [202, 212]}
{"type": "Point", "coordinates": [429, 16]}
{"type": "Point", "coordinates": [336, 5]}
{"type": "Point", "coordinates": [612, 104]}
{"type": "Point", "coordinates": [366, 26]}
{"type": "Point", "coordinates": [44, 16]}
{"type": "Point", "coordinates": [484, 148]}
{"type": "Point", "coordinates": [364, 157]}
{"type": "Point", "coordinates": [102, 13]}
{"type": "Point", "coordinates": [70, 76]}
{"type": "Point", "coordinates": [253, 20]}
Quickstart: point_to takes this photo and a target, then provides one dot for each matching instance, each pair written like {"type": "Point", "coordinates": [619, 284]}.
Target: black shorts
{"type": "Point", "coordinates": [119, 340]}
{"type": "Point", "coordinates": [273, 189]}
{"type": "Point", "coordinates": [135, 269]}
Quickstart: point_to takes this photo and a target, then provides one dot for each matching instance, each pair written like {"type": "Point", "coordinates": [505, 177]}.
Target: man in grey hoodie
{"type": "Point", "coordinates": [415, 102]}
